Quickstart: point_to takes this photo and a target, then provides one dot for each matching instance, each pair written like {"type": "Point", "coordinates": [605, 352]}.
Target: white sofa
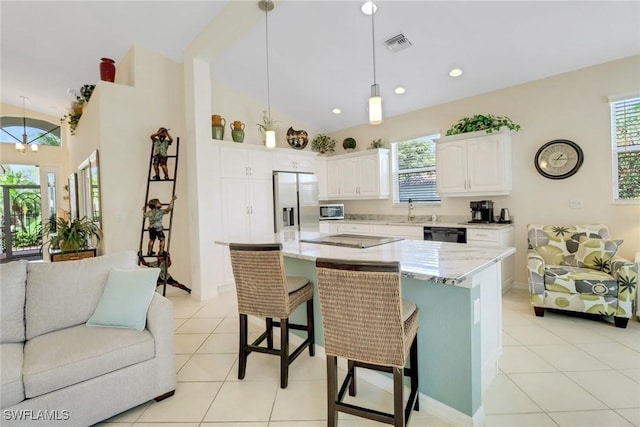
{"type": "Point", "coordinates": [56, 370]}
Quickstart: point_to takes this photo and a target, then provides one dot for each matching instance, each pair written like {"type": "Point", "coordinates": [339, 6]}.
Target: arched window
{"type": "Point", "coordinates": [46, 132]}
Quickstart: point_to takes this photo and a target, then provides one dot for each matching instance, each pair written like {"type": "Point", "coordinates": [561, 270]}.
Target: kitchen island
{"type": "Point", "coordinates": [457, 289]}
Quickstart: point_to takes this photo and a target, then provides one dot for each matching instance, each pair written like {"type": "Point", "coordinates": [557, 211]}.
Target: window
{"type": "Point", "coordinates": [625, 124]}
{"type": "Point", "coordinates": [12, 128]}
{"type": "Point", "coordinates": [414, 170]}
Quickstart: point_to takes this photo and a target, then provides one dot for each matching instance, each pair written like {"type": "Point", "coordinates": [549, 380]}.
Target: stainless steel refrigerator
{"type": "Point", "coordinates": [295, 200]}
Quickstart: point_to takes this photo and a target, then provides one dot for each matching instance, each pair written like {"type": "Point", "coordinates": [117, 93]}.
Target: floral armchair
{"type": "Point", "coordinates": [575, 268]}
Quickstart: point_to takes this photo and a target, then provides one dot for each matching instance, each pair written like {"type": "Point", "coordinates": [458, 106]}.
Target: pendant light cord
{"type": "Point", "coordinates": [266, 26]}
{"type": "Point", "coordinates": [373, 41]}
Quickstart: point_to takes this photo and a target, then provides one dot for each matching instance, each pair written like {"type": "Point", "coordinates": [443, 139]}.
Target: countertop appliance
{"type": "Point", "coordinates": [295, 200]}
{"type": "Point", "coordinates": [482, 211]}
{"type": "Point", "coordinates": [505, 217]}
{"type": "Point", "coordinates": [446, 234]}
{"type": "Point", "coordinates": [352, 240]}
{"type": "Point", "coordinates": [329, 212]}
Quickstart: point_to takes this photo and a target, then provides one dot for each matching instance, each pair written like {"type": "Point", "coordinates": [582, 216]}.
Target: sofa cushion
{"type": "Point", "coordinates": [13, 279]}
{"type": "Point", "coordinates": [64, 294]}
{"type": "Point", "coordinates": [579, 280]}
{"type": "Point", "coordinates": [69, 356]}
{"type": "Point", "coordinates": [12, 390]}
{"type": "Point", "coordinates": [126, 298]}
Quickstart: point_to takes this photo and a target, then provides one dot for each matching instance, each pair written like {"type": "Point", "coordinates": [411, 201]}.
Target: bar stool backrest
{"type": "Point", "coordinates": [261, 286]}
{"type": "Point", "coordinates": [361, 306]}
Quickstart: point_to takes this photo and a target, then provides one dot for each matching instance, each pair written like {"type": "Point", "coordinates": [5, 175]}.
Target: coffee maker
{"type": "Point", "coordinates": [482, 211]}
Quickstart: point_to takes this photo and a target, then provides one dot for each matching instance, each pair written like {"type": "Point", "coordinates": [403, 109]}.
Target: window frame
{"type": "Point", "coordinates": [395, 171]}
{"type": "Point", "coordinates": [615, 149]}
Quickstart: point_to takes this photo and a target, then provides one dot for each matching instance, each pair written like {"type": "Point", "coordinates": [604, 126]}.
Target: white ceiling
{"type": "Point", "coordinates": [320, 51]}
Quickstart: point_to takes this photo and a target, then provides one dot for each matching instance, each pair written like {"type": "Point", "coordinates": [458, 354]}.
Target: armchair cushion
{"type": "Point", "coordinates": [579, 280]}
{"type": "Point", "coordinates": [597, 253]}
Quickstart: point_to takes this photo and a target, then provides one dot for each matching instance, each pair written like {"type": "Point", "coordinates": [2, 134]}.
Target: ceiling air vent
{"type": "Point", "coordinates": [397, 43]}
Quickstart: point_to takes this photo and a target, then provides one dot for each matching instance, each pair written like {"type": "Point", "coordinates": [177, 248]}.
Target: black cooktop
{"type": "Point", "coordinates": [352, 240]}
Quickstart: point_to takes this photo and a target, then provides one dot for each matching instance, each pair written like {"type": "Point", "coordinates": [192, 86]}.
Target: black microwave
{"type": "Point", "coordinates": [328, 212]}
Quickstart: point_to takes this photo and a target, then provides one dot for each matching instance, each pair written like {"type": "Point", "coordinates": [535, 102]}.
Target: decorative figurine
{"type": "Point", "coordinates": [154, 215]}
{"type": "Point", "coordinates": [161, 141]}
{"type": "Point", "coordinates": [163, 263]}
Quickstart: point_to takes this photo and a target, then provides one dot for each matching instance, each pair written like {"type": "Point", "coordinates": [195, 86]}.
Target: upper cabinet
{"type": "Point", "coordinates": [474, 164]}
{"type": "Point", "coordinates": [289, 160]}
{"type": "Point", "coordinates": [359, 175]}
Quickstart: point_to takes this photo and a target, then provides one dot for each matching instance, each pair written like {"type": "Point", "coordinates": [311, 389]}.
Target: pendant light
{"type": "Point", "coordinates": [270, 134]}
{"type": "Point", "coordinates": [21, 145]}
{"type": "Point", "coordinates": [375, 101]}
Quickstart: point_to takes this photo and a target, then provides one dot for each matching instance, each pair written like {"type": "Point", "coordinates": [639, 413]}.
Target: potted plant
{"type": "Point", "coordinates": [71, 236]}
{"type": "Point", "coordinates": [323, 144]}
{"type": "Point", "coordinates": [78, 106]}
{"type": "Point", "coordinates": [349, 144]}
{"type": "Point", "coordinates": [479, 122]}
{"type": "Point", "coordinates": [377, 143]}
{"type": "Point", "coordinates": [267, 123]}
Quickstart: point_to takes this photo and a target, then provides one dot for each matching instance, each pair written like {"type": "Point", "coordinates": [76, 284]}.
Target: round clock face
{"type": "Point", "coordinates": [559, 159]}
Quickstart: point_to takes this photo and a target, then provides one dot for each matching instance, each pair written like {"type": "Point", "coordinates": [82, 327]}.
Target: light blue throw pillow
{"type": "Point", "coordinates": [126, 299]}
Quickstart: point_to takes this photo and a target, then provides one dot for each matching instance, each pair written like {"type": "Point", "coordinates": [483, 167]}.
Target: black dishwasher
{"type": "Point", "coordinates": [446, 234]}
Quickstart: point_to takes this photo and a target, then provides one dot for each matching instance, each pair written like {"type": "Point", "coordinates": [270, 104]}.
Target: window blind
{"type": "Point", "coordinates": [415, 170]}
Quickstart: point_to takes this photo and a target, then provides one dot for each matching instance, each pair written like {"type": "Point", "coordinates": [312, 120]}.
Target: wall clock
{"type": "Point", "coordinates": [559, 159]}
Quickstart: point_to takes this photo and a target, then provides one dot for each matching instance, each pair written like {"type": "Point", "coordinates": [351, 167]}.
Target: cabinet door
{"type": "Point", "coordinates": [321, 173]}
{"type": "Point", "coordinates": [350, 178]}
{"type": "Point", "coordinates": [261, 209]}
{"type": "Point", "coordinates": [484, 164]}
{"type": "Point", "coordinates": [235, 209]}
{"type": "Point", "coordinates": [368, 176]}
{"type": "Point", "coordinates": [260, 164]}
{"type": "Point", "coordinates": [334, 179]}
{"type": "Point", "coordinates": [451, 170]}
{"type": "Point", "coordinates": [305, 163]}
{"type": "Point", "coordinates": [233, 163]}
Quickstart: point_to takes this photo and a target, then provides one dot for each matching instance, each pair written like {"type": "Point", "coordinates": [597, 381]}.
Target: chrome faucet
{"type": "Point", "coordinates": [410, 214]}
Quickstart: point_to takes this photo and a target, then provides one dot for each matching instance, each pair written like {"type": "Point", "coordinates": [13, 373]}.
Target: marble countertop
{"type": "Point", "coordinates": [420, 223]}
{"type": "Point", "coordinates": [450, 263]}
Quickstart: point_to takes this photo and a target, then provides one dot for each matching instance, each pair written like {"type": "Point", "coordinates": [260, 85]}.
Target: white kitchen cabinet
{"type": "Point", "coordinates": [246, 193]}
{"type": "Point", "coordinates": [412, 232]}
{"type": "Point", "coordinates": [329, 227]}
{"type": "Point", "coordinates": [360, 175]}
{"type": "Point", "coordinates": [321, 174]}
{"type": "Point", "coordinates": [474, 164]}
{"type": "Point", "coordinates": [491, 237]}
{"type": "Point", "coordinates": [351, 228]}
{"type": "Point", "coordinates": [288, 160]}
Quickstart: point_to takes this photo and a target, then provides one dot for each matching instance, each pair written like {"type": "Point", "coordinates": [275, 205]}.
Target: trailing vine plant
{"type": "Point", "coordinates": [487, 122]}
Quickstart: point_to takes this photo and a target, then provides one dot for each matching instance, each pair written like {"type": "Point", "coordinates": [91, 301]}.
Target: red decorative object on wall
{"type": "Point", "coordinates": [107, 70]}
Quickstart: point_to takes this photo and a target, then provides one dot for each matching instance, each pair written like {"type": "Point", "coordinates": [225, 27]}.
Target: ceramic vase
{"type": "Point", "coordinates": [107, 70]}
{"type": "Point", "coordinates": [237, 131]}
{"type": "Point", "coordinates": [217, 126]}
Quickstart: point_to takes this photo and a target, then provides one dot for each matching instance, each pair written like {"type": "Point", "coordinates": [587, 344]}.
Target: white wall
{"type": "Point", "coordinates": [571, 106]}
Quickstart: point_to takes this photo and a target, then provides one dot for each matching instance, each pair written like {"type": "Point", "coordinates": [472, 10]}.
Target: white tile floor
{"type": "Point", "coordinates": [555, 371]}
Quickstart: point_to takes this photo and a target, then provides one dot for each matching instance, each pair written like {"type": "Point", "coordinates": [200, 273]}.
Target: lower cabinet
{"type": "Point", "coordinates": [502, 237]}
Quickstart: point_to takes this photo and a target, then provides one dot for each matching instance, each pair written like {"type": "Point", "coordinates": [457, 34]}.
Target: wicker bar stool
{"type": "Point", "coordinates": [366, 322]}
{"type": "Point", "coordinates": [264, 290]}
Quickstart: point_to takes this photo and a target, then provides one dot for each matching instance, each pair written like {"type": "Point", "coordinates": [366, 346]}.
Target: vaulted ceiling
{"type": "Point", "coordinates": [321, 53]}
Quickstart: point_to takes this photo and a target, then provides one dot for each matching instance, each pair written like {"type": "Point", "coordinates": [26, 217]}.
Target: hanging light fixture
{"type": "Point", "coordinates": [21, 145]}
{"type": "Point", "coordinates": [270, 134]}
{"type": "Point", "coordinates": [375, 101]}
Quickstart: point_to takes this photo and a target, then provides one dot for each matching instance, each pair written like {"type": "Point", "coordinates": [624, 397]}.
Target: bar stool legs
{"type": "Point", "coordinates": [401, 413]}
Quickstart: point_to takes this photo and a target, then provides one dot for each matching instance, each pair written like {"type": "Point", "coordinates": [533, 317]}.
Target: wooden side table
{"type": "Point", "coordinates": [69, 256]}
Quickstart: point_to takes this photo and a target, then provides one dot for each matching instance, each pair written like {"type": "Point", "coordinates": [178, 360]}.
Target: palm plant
{"type": "Point", "coordinates": [71, 236]}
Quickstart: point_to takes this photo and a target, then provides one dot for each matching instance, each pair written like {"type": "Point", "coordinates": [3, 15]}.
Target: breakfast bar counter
{"type": "Point", "coordinates": [457, 290]}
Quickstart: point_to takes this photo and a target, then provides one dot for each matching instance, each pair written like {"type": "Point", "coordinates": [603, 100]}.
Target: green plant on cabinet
{"type": "Point", "coordinates": [377, 143]}
{"type": "Point", "coordinates": [323, 144]}
{"type": "Point", "coordinates": [479, 122]}
{"type": "Point", "coordinates": [77, 107]}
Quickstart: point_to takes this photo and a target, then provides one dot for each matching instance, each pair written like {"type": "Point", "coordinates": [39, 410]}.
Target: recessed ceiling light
{"type": "Point", "coordinates": [456, 72]}
{"type": "Point", "coordinates": [367, 6]}
{"type": "Point", "coordinates": [336, 111]}
{"type": "Point", "coordinates": [399, 90]}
